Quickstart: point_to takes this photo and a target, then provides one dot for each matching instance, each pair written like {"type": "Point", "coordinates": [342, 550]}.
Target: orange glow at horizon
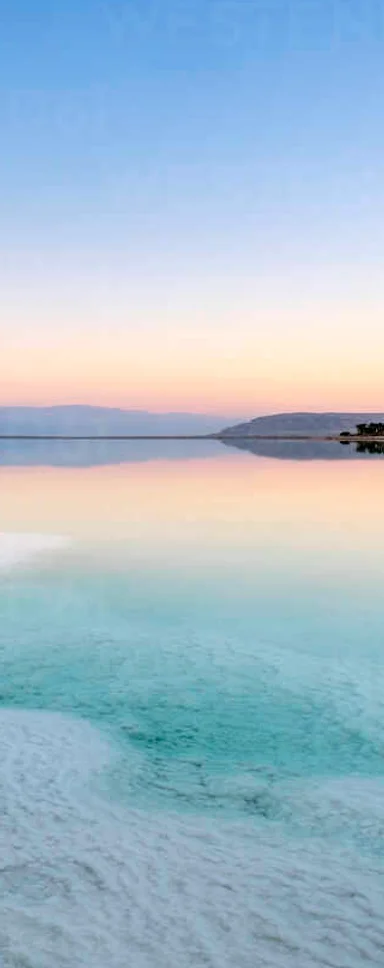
{"type": "Point", "coordinates": [189, 376]}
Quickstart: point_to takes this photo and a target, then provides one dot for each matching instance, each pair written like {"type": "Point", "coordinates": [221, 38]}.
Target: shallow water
{"type": "Point", "coordinates": [192, 714]}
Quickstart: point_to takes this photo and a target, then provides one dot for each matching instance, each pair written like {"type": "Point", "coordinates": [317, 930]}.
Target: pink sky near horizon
{"type": "Point", "coordinates": [301, 337]}
{"type": "Point", "coordinates": [243, 377]}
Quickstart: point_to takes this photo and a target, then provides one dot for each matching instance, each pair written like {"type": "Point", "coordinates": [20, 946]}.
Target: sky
{"type": "Point", "coordinates": [191, 204]}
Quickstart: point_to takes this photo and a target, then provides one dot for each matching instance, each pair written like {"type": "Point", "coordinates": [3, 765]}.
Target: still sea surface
{"type": "Point", "coordinates": [192, 706]}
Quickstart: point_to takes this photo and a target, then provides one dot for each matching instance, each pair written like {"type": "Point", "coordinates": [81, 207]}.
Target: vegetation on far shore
{"type": "Point", "coordinates": [365, 430]}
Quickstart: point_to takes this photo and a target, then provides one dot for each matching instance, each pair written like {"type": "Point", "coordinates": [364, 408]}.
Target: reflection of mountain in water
{"type": "Point", "coordinates": [305, 449]}
{"type": "Point", "coordinates": [90, 453]}
{"type": "Point", "coordinates": [93, 453]}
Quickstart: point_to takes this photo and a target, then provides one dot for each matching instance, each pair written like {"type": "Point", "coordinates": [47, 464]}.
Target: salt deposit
{"type": "Point", "coordinates": [15, 549]}
{"type": "Point", "coordinates": [85, 881]}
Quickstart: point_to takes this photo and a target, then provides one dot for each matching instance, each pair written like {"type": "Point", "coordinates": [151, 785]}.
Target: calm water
{"type": "Point", "coordinates": [192, 707]}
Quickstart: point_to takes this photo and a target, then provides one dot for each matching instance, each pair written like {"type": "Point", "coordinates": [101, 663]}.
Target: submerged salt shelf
{"type": "Point", "coordinates": [15, 549]}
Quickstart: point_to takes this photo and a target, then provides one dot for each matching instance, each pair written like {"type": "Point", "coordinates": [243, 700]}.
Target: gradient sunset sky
{"type": "Point", "coordinates": [192, 213]}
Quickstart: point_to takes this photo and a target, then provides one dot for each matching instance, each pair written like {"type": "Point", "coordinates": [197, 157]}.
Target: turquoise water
{"type": "Point", "coordinates": [192, 714]}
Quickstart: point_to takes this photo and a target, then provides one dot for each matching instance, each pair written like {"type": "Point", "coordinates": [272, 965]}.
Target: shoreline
{"type": "Point", "coordinates": [337, 438]}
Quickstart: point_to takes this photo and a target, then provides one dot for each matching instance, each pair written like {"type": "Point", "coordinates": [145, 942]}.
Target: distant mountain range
{"type": "Point", "coordinates": [85, 421]}
{"type": "Point", "coordinates": [296, 424]}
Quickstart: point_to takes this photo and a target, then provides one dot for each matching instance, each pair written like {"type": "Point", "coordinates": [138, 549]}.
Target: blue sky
{"type": "Point", "coordinates": [194, 190]}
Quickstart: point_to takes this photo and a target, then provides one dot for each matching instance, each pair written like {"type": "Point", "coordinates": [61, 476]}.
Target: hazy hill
{"type": "Point", "coordinates": [313, 424]}
{"type": "Point", "coordinates": [102, 421]}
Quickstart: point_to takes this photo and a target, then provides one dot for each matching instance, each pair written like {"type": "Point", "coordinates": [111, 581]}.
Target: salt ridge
{"type": "Point", "coordinates": [85, 881]}
{"type": "Point", "coordinates": [15, 549]}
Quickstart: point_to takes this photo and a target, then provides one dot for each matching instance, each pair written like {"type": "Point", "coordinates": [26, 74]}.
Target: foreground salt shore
{"type": "Point", "coordinates": [88, 881]}
{"type": "Point", "coordinates": [15, 549]}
